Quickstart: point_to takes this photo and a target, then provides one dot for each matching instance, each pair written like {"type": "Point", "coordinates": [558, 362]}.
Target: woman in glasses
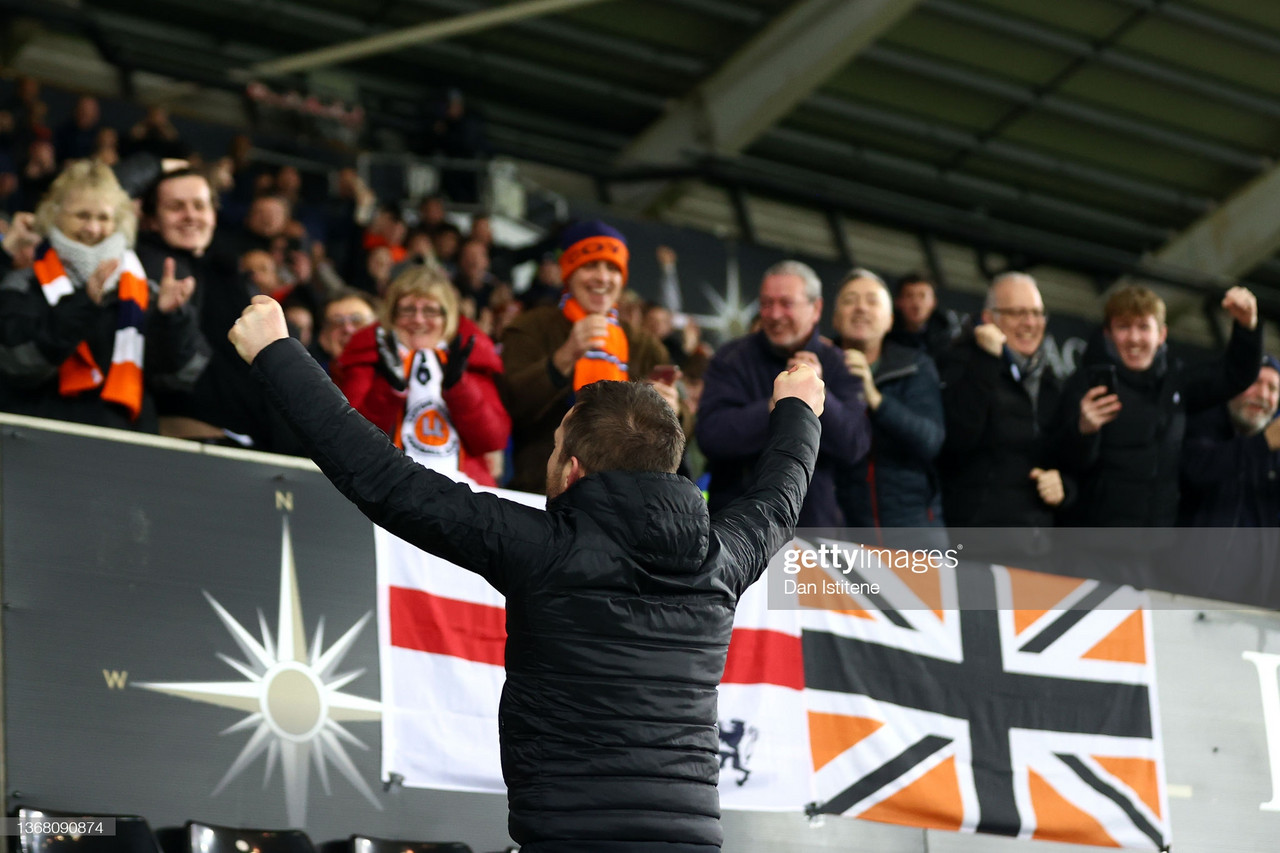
{"type": "Point", "coordinates": [427, 378]}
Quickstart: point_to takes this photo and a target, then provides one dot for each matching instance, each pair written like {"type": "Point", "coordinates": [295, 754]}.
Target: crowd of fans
{"type": "Point", "coordinates": [115, 312]}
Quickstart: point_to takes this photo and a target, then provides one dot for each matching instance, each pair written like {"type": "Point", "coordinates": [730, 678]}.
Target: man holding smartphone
{"type": "Point", "coordinates": [1129, 402]}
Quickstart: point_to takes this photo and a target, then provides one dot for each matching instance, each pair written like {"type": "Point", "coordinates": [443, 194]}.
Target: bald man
{"type": "Point", "coordinates": [1001, 403]}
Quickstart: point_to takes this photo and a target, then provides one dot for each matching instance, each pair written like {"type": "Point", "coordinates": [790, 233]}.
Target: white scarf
{"type": "Point", "coordinates": [427, 435]}
{"type": "Point", "coordinates": [80, 261]}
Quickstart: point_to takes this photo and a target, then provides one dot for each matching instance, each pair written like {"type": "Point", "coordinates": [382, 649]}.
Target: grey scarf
{"type": "Point", "coordinates": [80, 260]}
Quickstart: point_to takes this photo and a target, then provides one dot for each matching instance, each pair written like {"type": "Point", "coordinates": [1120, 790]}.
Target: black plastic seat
{"type": "Point", "coordinates": [365, 844]}
{"type": "Point", "coordinates": [40, 831]}
{"type": "Point", "coordinates": [210, 838]}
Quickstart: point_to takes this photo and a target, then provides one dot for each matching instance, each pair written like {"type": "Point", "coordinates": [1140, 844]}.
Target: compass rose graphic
{"type": "Point", "coordinates": [292, 695]}
{"type": "Point", "coordinates": [729, 316]}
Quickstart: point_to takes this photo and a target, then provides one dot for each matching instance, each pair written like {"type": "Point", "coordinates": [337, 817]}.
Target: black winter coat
{"type": "Point", "coordinates": [36, 338]}
{"type": "Point", "coordinates": [620, 602]}
{"type": "Point", "coordinates": [224, 395]}
{"type": "Point", "coordinates": [1229, 480]}
{"type": "Point", "coordinates": [995, 436]}
{"type": "Point", "coordinates": [1128, 471]}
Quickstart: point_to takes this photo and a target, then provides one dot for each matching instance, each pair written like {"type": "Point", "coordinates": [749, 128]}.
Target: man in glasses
{"type": "Point", "coordinates": [1002, 409]}
{"type": "Point", "coordinates": [344, 315]}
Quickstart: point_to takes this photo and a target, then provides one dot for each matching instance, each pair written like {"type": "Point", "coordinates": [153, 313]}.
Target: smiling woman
{"type": "Point", "coordinates": [78, 326]}
{"type": "Point", "coordinates": [426, 377]}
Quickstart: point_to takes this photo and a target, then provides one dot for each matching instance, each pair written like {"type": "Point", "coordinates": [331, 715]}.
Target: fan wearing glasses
{"type": "Point", "coordinates": [427, 377]}
{"type": "Point", "coordinates": [1001, 401]}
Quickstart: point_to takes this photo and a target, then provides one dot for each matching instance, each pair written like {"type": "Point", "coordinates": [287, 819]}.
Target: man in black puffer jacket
{"type": "Point", "coordinates": [620, 596]}
{"type": "Point", "coordinates": [1125, 440]}
{"type": "Point", "coordinates": [1126, 415]}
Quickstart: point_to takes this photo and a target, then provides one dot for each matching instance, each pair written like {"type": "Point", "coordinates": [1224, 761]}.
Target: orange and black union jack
{"type": "Point", "coordinates": [988, 699]}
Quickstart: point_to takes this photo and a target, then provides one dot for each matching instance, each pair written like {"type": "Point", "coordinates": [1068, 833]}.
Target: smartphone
{"type": "Point", "coordinates": [1103, 374]}
{"type": "Point", "coordinates": [664, 374]}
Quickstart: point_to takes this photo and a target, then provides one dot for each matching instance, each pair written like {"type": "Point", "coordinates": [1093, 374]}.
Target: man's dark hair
{"type": "Point", "coordinates": [622, 426]}
{"type": "Point", "coordinates": [909, 279]}
{"type": "Point", "coordinates": [151, 198]}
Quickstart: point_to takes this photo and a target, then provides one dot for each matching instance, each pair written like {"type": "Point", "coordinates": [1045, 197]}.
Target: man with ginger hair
{"type": "Point", "coordinates": [1126, 440]}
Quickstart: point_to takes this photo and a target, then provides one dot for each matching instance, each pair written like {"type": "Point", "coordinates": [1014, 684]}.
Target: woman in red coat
{"type": "Point", "coordinates": [427, 378]}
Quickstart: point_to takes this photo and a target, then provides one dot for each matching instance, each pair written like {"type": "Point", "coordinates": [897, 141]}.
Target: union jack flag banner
{"type": "Point", "coordinates": [984, 699]}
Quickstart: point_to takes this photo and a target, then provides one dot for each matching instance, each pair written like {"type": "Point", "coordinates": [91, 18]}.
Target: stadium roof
{"type": "Point", "coordinates": [1111, 136]}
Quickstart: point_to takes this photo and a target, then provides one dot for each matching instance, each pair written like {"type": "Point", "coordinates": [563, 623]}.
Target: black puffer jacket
{"type": "Point", "coordinates": [1128, 471]}
{"type": "Point", "coordinates": [620, 601]}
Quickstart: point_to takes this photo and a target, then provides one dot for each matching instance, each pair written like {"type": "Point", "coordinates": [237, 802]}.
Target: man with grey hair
{"type": "Point", "coordinates": [733, 414]}
{"type": "Point", "coordinates": [1002, 409]}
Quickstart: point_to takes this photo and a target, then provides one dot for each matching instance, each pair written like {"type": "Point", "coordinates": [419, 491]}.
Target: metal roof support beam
{"type": "Point", "coordinates": [585, 39]}
{"type": "Point", "coordinates": [431, 31]}
{"type": "Point", "coordinates": [954, 75]}
{"type": "Point", "coordinates": [765, 80]}
{"type": "Point", "coordinates": [742, 213]}
{"type": "Point", "coordinates": [1233, 239]}
{"type": "Point", "coordinates": [1218, 25]}
{"type": "Point", "coordinates": [840, 237]}
{"type": "Point", "coordinates": [1009, 152]}
{"type": "Point", "coordinates": [976, 188]}
{"type": "Point", "coordinates": [1029, 32]}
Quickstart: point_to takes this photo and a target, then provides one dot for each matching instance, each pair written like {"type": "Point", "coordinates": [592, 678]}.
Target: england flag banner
{"type": "Point", "coordinates": [442, 635]}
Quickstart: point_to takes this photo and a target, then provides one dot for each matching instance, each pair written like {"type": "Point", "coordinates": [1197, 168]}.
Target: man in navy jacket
{"type": "Point", "coordinates": [733, 415]}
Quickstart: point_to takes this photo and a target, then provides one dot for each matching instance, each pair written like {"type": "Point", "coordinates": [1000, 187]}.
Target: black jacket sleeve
{"type": "Point", "coordinates": [1208, 385]}
{"type": "Point", "coordinates": [479, 532]}
{"type": "Point", "coordinates": [756, 525]}
{"type": "Point", "coordinates": [968, 395]}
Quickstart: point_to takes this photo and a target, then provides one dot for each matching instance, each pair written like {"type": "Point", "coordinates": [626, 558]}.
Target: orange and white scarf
{"type": "Point", "coordinates": [608, 363]}
{"type": "Point", "coordinates": [80, 372]}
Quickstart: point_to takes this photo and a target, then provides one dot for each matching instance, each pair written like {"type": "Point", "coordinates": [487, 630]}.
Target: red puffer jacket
{"type": "Point", "coordinates": [475, 409]}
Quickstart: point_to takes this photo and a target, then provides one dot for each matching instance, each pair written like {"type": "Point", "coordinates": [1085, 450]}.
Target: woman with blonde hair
{"type": "Point", "coordinates": [83, 333]}
{"type": "Point", "coordinates": [426, 377]}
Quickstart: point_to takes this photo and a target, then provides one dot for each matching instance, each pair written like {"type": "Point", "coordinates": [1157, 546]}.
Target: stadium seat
{"type": "Point", "coordinates": [365, 844]}
{"type": "Point", "coordinates": [208, 838]}
{"type": "Point", "coordinates": [39, 831]}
